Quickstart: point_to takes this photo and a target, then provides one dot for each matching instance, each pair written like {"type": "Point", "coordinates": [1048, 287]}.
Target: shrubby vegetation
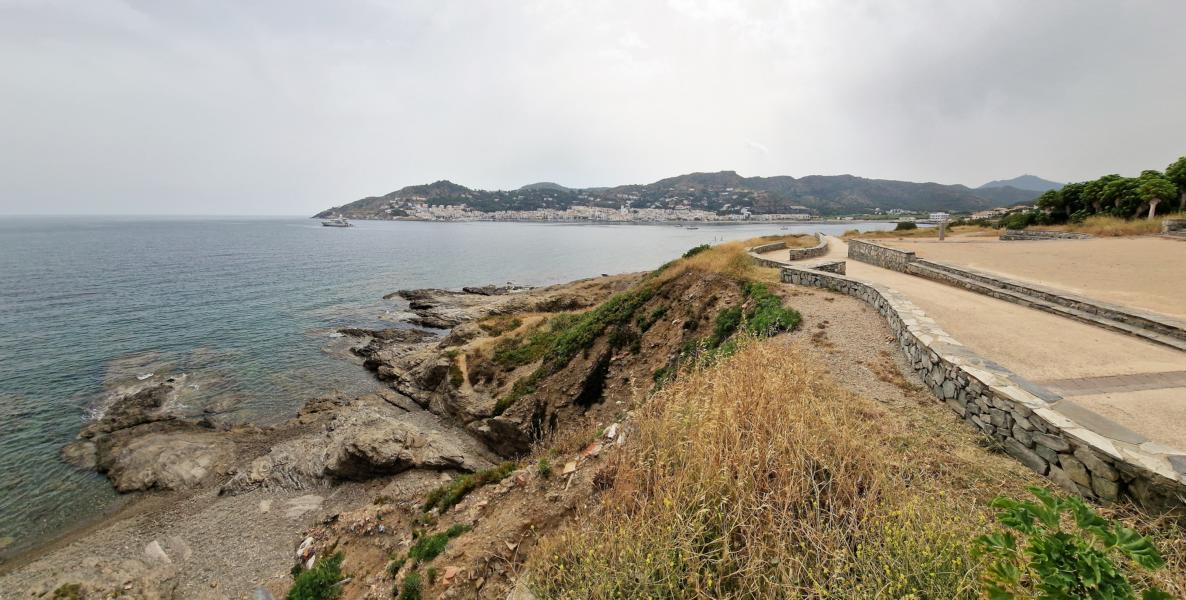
{"type": "Point", "coordinates": [320, 582]}
{"type": "Point", "coordinates": [905, 226]}
{"type": "Point", "coordinates": [1150, 194]}
{"type": "Point", "coordinates": [446, 496]}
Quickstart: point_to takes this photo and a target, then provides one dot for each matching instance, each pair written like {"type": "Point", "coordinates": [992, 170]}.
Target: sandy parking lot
{"type": "Point", "coordinates": [1147, 272]}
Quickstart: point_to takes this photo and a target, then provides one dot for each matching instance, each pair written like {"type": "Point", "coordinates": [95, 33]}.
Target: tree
{"type": "Point", "coordinates": [1153, 188]}
{"type": "Point", "coordinates": [1120, 196]}
{"type": "Point", "coordinates": [1176, 173]}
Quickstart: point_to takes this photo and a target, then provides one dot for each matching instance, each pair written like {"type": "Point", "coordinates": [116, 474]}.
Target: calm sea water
{"type": "Point", "coordinates": [245, 308]}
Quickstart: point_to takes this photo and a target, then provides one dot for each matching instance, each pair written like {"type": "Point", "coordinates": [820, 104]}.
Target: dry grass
{"type": "Point", "coordinates": [728, 258]}
{"type": "Point", "coordinates": [922, 232]}
{"type": "Point", "coordinates": [760, 478]}
{"type": "Point", "coordinates": [1104, 226]}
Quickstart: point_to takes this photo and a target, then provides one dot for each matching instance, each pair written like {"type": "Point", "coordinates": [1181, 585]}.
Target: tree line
{"type": "Point", "coordinates": [1151, 193]}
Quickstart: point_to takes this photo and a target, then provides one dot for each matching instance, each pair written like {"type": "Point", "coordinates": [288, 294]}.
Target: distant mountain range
{"type": "Point", "coordinates": [723, 192]}
{"type": "Point", "coordinates": [1024, 182]}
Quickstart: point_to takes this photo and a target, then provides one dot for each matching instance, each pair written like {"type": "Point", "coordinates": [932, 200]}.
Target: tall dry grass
{"type": "Point", "coordinates": [922, 232]}
{"type": "Point", "coordinates": [760, 478]}
{"type": "Point", "coordinates": [728, 258]}
{"type": "Point", "coordinates": [1106, 226]}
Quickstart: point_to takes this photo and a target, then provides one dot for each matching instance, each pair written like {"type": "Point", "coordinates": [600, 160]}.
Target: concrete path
{"type": "Point", "coordinates": [1147, 273]}
{"type": "Point", "coordinates": [1138, 384]}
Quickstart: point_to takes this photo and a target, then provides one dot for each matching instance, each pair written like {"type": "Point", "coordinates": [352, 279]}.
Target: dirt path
{"type": "Point", "coordinates": [1044, 347]}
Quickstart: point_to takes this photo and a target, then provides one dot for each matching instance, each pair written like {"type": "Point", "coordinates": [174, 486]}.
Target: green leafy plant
{"type": "Point", "coordinates": [697, 250]}
{"type": "Point", "coordinates": [320, 582]}
{"type": "Point", "coordinates": [544, 467]}
{"type": "Point", "coordinates": [1039, 557]}
{"type": "Point", "coordinates": [905, 226]}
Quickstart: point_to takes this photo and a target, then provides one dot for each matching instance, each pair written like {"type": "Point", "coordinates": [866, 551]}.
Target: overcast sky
{"type": "Point", "coordinates": [288, 107]}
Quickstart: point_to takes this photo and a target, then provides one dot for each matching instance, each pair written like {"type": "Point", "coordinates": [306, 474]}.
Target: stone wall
{"type": "Point", "coordinates": [816, 251]}
{"type": "Point", "coordinates": [1030, 234]}
{"type": "Point", "coordinates": [1080, 451]}
{"type": "Point", "coordinates": [1173, 226]}
{"type": "Point", "coordinates": [882, 256]}
{"type": "Point", "coordinates": [820, 249]}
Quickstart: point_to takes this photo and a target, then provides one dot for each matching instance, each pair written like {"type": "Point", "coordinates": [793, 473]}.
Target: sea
{"type": "Point", "coordinates": [246, 310]}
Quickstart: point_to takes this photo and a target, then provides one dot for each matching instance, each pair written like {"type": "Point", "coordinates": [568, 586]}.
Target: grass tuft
{"type": "Point", "coordinates": [446, 496]}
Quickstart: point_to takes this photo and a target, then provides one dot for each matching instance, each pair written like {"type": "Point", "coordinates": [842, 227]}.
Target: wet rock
{"type": "Point", "coordinates": [171, 460]}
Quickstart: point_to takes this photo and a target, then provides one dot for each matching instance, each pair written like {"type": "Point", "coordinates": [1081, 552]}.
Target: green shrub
{"type": "Point", "coordinates": [412, 587]}
{"type": "Point", "coordinates": [395, 564]}
{"type": "Point", "coordinates": [647, 321]}
{"type": "Point", "coordinates": [544, 467]}
{"type": "Point", "coordinates": [428, 547]}
{"type": "Point", "coordinates": [766, 315]}
{"type": "Point", "coordinates": [726, 325]}
{"type": "Point", "coordinates": [905, 226]}
{"type": "Point", "coordinates": [456, 377]}
{"type": "Point", "coordinates": [446, 496]}
{"type": "Point", "coordinates": [1050, 562]}
{"type": "Point", "coordinates": [697, 250]}
{"type": "Point", "coordinates": [567, 338]}
{"type": "Point", "coordinates": [320, 582]}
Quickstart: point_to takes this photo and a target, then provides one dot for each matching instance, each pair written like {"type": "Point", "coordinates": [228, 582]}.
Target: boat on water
{"type": "Point", "coordinates": [693, 228]}
{"type": "Point", "coordinates": [336, 222]}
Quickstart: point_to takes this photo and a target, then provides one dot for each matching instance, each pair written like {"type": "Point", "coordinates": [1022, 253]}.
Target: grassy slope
{"type": "Point", "coordinates": [758, 476]}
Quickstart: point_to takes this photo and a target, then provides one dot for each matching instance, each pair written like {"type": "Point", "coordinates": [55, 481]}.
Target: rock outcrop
{"type": "Point", "coordinates": [141, 444]}
{"type": "Point", "coordinates": [370, 436]}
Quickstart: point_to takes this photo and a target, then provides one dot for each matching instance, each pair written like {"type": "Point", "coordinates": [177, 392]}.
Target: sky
{"type": "Point", "coordinates": [292, 106]}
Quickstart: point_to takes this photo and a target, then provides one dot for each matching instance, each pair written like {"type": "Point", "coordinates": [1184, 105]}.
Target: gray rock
{"type": "Point", "coordinates": [1053, 442]}
{"type": "Point", "coordinates": [1095, 464]}
{"type": "Point", "coordinates": [1026, 456]}
{"type": "Point", "coordinates": [1075, 470]}
{"type": "Point", "coordinates": [1106, 489]}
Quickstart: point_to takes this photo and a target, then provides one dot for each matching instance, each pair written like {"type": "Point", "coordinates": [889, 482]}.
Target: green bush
{"type": "Point", "coordinates": [412, 585]}
{"type": "Point", "coordinates": [767, 316]}
{"type": "Point", "coordinates": [320, 582]}
{"type": "Point", "coordinates": [1049, 561]}
{"type": "Point", "coordinates": [446, 496]}
{"type": "Point", "coordinates": [697, 250]}
{"type": "Point", "coordinates": [428, 547]}
{"type": "Point", "coordinates": [544, 467]}
{"type": "Point", "coordinates": [905, 226]}
{"type": "Point", "coordinates": [569, 337]}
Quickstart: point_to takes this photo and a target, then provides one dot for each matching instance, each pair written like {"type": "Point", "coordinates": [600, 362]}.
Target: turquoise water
{"type": "Point", "coordinates": [245, 308]}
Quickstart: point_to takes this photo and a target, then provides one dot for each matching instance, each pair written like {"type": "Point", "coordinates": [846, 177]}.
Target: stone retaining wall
{"type": "Point", "coordinates": [816, 251]}
{"type": "Point", "coordinates": [1079, 450]}
{"type": "Point", "coordinates": [882, 256]}
{"type": "Point", "coordinates": [1175, 226]}
{"type": "Point", "coordinates": [820, 249]}
{"type": "Point", "coordinates": [1030, 234]}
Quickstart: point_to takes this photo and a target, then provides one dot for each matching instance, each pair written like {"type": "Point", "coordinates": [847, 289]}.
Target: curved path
{"type": "Point", "coordinates": [1138, 384]}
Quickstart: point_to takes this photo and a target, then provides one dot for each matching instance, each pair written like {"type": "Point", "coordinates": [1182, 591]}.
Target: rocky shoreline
{"type": "Point", "coordinates": [404, 439]}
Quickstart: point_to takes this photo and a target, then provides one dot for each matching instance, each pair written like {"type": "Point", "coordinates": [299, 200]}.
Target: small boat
{"type": "Point", "coordinates": [693, 228]}
{"type": "Point", "coordinates": [336, 222]}
{"type": "Point", "coordinates": [783, 228]}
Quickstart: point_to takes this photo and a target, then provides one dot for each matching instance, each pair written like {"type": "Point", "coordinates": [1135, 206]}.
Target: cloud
{"type": "Point", "coordinates": [287, 107]}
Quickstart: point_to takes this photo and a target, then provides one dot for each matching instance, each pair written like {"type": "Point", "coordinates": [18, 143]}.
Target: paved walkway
{"type": "Point", "coordinates": [1137, 384]}
{"type": "Point", "coordinates": [1144, 272]}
